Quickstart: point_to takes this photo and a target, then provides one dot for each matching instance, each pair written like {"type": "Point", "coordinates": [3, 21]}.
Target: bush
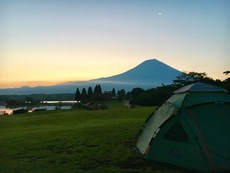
{"type": "Point", "coordinates": [20, 111]}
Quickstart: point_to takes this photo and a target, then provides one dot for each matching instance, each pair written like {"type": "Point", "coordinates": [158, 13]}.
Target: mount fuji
{"type": "Point", "coordinates": [148, 74]}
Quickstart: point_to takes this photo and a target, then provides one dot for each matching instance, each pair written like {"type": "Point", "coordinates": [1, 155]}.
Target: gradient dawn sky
{"type": "Point", "coordinates": [45, 42]}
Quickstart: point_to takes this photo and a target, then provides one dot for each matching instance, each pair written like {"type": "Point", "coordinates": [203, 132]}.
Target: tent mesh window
{"type": "Point", "coordinates": [176, 133]}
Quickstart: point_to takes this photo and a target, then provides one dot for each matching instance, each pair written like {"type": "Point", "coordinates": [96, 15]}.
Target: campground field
{"type": "Point", "coordinates": [74, 141]}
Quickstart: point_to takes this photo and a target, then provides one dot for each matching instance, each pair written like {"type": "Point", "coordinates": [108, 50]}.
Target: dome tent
{"type": "Point", "coordinates": [190, 130]}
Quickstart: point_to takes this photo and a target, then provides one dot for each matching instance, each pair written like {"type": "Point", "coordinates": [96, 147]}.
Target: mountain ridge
{"type": "Point", "coordinates": [148, 74]}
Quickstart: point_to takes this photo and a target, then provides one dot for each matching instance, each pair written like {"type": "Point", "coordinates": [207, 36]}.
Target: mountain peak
{"type": "Point", "coordinates": [149, 61]}
{"type": "Point", "coordinates": [153, 62]}
{"type": "Point", "coordinates": [150, 71]}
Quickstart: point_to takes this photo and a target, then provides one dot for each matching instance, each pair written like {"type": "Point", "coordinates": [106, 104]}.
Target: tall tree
{"type": "Point", "coordinates": [113, 93]}
{"type": "Point", "coordinates": [97, 89]}
{"type": "Point", "coordinates": [226, 84]}
{"type": "Point", "coordinates": [191, 77]}
{"type": "Point", "coordinates": [83, 91]}
{"type": "Point", "coordinates": [121, 94]}
{"type": "Point", "coordinates": [90, 91]}
{"type": "Point", "coordinates": [77, 94]}
{"type": "Point", "coordinates": [136, 92]}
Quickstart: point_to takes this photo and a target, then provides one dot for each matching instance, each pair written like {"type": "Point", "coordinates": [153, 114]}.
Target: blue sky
{"type": "Point", "coordinates": [47, 42]}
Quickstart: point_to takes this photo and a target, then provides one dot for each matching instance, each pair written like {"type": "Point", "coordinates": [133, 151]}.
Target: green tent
{"type": "Point", "coordinates": [190, 130]}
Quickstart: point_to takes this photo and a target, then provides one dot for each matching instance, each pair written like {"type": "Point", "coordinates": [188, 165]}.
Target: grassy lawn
{"type": "Point", "coordinates": [74, 141]}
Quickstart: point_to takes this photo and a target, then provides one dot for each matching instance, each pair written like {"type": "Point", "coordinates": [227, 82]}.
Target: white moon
{"type": "Point", "coordinates": [159, 14]}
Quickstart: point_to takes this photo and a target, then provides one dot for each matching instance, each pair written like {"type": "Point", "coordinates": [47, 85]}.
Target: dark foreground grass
{"type": "Point", "coordinates": [74, 141]}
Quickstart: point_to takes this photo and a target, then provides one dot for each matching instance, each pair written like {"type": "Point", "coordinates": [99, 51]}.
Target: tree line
{"type": "Point", "coordinates": [156, 96]}
{"type": "Point", "coordinates": [93, 94]}
{"type": "Point", "coordinates": [149, 97]}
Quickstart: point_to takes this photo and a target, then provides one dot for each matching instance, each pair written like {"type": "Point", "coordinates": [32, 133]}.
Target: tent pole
{"type": "Point", "coordinates": [207, 154]}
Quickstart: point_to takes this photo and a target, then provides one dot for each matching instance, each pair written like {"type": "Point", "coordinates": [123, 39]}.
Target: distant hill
{"type": "Point", "coordinates": [149, 74]}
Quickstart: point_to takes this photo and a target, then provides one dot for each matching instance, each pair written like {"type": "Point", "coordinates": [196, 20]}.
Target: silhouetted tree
{"type": "Point", "coordinates": [226, 84]}
{"type": "Point", "coordinates": [83, 91]}
{"type": "Point", "coordinates": [155, 96]}
{"type": "Point", "coordinates": [121, 94]}
{"type": "Point", "coordinates": [226, 72]}
{"type": "Point", "coordinates": [158, 95]}
{"type": "Point", "coordinates": [191, 77]}
{"type": "Point", "coordinates": [77, 95]}
{"type": "Point", "coordinates": [83, 95]}
{"type": "Point", "coordinates": [113, 93]}
{"type": "Point", "coordinates": [135, 93]}
{"type": "Point", "coordinates": [90, 91]}
{"type": "Point", "coordinates": [29, 99]}
{"type": "Point", "coordinates": [97, 89]}
{"type": "Point", "coordinates": [97, 95]}
{"type": "Point", "coordinates": [13, 102]}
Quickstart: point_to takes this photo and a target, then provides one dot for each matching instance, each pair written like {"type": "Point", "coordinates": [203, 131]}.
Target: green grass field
{"type": "Point", "coordinates": [74, 141]}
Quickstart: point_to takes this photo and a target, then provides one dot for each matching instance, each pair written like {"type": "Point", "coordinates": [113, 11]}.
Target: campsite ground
{"type": "Point", "coordinates": [74, 141]}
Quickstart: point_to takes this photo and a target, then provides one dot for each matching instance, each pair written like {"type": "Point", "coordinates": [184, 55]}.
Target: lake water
{"type": "Point", "coordinates": [56, 102]}
{"type": "Point", "coordinates": [4, 110]}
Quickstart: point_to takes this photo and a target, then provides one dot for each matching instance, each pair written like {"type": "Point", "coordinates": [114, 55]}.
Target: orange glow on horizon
{"type": "Point", "coordinates": [30, 84]}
